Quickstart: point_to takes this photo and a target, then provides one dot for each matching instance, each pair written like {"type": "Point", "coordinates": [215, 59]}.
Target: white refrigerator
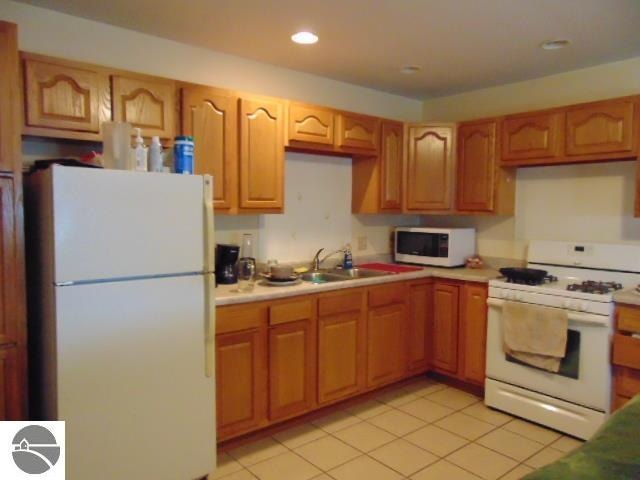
{"type": "Point", "coordinates": [122, 320]}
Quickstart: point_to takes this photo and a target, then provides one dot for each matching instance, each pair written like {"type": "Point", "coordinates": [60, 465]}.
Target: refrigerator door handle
{"type": "Point", "coordinates": [209, 278]}
{"type": "Point", "coordinates": [209, 324]}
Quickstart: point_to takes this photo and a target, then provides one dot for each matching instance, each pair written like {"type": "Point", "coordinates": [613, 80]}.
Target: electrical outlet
{"type": "Point", "coordinates": [362, 243]}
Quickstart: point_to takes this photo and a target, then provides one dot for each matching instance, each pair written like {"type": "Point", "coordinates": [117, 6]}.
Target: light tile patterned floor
{"type": "Point", "coordinates": [420, 431]}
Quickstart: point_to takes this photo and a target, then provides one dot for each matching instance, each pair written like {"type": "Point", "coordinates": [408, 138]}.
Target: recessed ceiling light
{"type": "Point", "coordinates": [410, 69]}
{"type": "Point", "coordinates": [555, 44]}
{"type": "Point", "coordinates": [304, 38]}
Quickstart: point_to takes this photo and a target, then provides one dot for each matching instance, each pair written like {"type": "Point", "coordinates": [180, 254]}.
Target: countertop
{"type": "Point", "coordinates": [229, 295]}
{"type": "Point", "coordinates": [628, 296]}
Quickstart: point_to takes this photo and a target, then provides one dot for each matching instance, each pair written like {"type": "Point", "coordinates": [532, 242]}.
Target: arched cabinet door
{"type": "Point", "coordinates": [602, 128]}
{"type": "Point", "coordinates": [532, 136]}
{"type": "Point", "coordinates": [211, 117]}
{"type": "Point", "coordinates": [63, 95]}
{"type": "Point", "coordinates": [145, 103]}
{"type": "Point", "coordinates": [261, 154]}
{"type": "Point", "coordinates": [477, 163]}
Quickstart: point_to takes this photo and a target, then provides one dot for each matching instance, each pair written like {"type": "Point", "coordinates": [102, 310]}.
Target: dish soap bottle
{"type": "Point", "coordinates": [140, 152]}
{"type": "Point", "coordinates": [347, 262]}
{"type": "Point", "coordinates": [155, 155]}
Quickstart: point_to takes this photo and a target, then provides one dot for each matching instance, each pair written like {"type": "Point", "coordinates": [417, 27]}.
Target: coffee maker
{"type": "Point", "coordinates": [226, 258]}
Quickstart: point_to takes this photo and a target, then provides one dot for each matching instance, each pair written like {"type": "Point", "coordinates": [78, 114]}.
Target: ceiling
{"type": "Point", "coordinates": [460, 45]}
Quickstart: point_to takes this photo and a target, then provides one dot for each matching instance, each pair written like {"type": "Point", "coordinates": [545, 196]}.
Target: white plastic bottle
{"type": "Point", "coordinates": [156, 163]}
{"type": "Point", "coordinates": [140, 152]}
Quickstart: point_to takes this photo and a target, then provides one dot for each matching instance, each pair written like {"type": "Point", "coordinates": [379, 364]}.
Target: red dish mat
{"type": "Point", "coordinates": [390, 267]}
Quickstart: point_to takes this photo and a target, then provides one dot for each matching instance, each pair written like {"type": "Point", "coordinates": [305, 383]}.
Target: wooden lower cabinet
{"type": "Point", "coordinates": [341, 358]}
{"type": "Point", "coordinates": [241, 382]}
{"type": "Point", "coordinates": [278, 359]}
{"type": "Point", "coordinates": [473, 332]}
{"type": "Point", "coordinates": [10, 393]}
{"type": "Point", "coordinates": [445, 327]}
{"type": "Point", "coordinates": [385, 344]}
{"type": "Point", "coordinates": [419, 326]}
{"type": "Point", "coordinates": [626, 355]}
{"type": "Point", "coordinates": [292, 358]}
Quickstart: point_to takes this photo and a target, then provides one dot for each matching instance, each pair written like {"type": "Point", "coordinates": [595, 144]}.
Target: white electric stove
{"type": "Point", "coordinates": [581, 279]}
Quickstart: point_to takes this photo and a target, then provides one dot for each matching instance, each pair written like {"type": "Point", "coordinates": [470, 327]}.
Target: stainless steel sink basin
{"type": "Point", "coordinates": [323, 277]}
{"type": "Point", "coordinates": [359, 273]}
{"type": "Point", "coordinates": [340, 275]}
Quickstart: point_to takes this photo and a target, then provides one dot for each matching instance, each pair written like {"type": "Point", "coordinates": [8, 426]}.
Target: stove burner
{"type": "Point", "coordinates": [534, 282]}
{"type": "Point", "coordinates": [591, 286]}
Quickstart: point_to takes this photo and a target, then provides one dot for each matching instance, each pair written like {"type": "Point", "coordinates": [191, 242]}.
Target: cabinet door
{"type": "Point", "coordinates": [358, 131]}
{"type": "Point", "coordinates": [8, 327]}
{"type": "Point", "coordinates": [536, 136]}
{"type": "Point", "coordinates": [429, 181]}
{"type": "Point", "coordinates": [10, 113]}
{"type": "Point", "coordinates": [63, 96]}
{"type": "Point", "coordinates": [445, 327]}
{"type": "Point", "coordinates": [386, 356]}
{"type": "Point", "coordinates": [476, 166]}
{"type": "Point", "coordinates": [341, 344]}
{"type": "Point", "coordinates": [419, 335]}
{"type": "Point", "coordinates": [473, 325]}
{"type": "Point", "coordinates": [391, 166]}
{"type": "Point", "coordinates": [261, 155]}
{"type": "Point", "coordinates": [10, 401]}
{"type": "Point", "coordinates": [241, 376]}
{"type": "Point", "coordinates": [211, 117]}
{"type": "Point", "coordinates": [310, 124]}
{"type": "Point", "coordinates": [292, 359]}
{"type": "Point", "coordinates": [147, 104]}
{"type": "Point", "coordinates": [602, 128]}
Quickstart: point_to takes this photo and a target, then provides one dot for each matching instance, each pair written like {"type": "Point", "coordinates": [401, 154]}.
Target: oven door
{"type": "Point", "coordinates": [585, 374]}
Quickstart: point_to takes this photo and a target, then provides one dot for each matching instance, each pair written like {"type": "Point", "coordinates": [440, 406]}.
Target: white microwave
{"type": "Point", "coordinates": [438, 247]}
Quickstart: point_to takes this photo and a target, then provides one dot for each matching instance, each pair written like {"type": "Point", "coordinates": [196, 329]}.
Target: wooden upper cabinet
{"type": "Point", "coordinates": [310, 124]}
{"type": "Point", "coordinates": [8, 273]}
{"type": "Point", "coordinates": [357, 131]}
{"type": "Point", "coordinates": [145, 103]}
{"type": "Point", "coordinates": [445, 327]}
{"type": "Point", "coordinates": [211, 117]}
{"type": "Point", "coordinates": [419, 326]}
{"type": "Point", "coordinates": [429, 168]}
{"type": "Point", "coordinates": [391, 157]}
{"type": "Point", "coordinates": [473, 325]}
{"type": "Point", "coordinates": [603, 128]}
{"type": "Point", "coordinates": [532, 136]}
{"type": "Point", "coordinates": [261, 154]}
{"type": "Point", "coordinates": [477, 165]}
{"type": "Point", "coordinates": [65, 95]}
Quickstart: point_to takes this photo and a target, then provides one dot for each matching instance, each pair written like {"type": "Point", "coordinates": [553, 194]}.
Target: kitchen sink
{"type": "Point", "coordinates": [340, 275]}
{"type": "Point", "coordinates": [359, 272]}
{"type": "Point", "coordinates": [323, 277]}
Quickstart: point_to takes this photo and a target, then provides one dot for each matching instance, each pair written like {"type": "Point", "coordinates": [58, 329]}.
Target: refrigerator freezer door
{"type": "Point", "coordinates": [131, 382]}
{"type": "Point", "coordinates": [117, 224]}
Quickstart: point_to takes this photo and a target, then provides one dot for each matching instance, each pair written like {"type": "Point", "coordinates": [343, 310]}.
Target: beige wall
{"type": "Point", "coordinates": [574, 202]}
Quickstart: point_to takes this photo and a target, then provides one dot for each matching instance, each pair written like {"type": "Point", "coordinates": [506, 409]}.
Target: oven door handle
{"type": "Point", "coordinates": [574, 317]}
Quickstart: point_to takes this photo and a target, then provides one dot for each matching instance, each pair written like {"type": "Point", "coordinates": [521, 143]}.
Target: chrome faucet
{"type": "Point", "coordinates": [317, 261]}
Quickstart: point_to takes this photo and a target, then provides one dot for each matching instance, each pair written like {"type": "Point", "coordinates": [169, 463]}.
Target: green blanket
{"type": "Point", "coordinates": [613, 453]}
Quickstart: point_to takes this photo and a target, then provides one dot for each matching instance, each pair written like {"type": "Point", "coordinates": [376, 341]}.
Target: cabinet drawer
{"type": "Point", "coordinates": [628, 318]}
{"type": "Point", "coordinates": [627, 381]}
{"type": "Point", "coordinates": [387, 294]}
{"type": "Point", "coordinates": [350, 301]}
{"type": "Point", "coordinates": [238, 317]}
{"type": "Point", "coordinates": [291, 311]}
{"type": "Point", "coordinates": [626, 351]}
